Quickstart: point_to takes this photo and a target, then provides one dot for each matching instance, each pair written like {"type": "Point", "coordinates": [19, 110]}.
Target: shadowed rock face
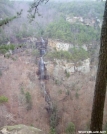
{"type": "Point", "coordinates": [20, 129]}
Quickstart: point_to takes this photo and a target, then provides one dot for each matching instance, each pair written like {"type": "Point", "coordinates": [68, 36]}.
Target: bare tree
{"type": "Point", "coordinates": [101, 80]}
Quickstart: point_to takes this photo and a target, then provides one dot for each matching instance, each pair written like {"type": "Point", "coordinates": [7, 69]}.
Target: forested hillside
{"type": "Point", "coordinates": [74, 33]}
{"type": "Point", "coordinates": [80, 8]}
{"type": "Point", "coordinates": [53, 21]}
{"type": "Point", "coordinates": [48, 66]}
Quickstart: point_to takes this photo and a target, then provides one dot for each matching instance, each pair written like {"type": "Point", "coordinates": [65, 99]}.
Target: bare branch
{"type": "Point", "coordinates": [7, 20]}
{"type": "Point", "coordinates": [33, 10]}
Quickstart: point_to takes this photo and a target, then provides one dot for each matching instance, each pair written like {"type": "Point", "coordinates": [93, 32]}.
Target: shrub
{"type": "Point", "coordinates": [1, 73]}
{"type": "Point", "coordinates": [28, 97]}
{"type": "Point", "coordinates": [59, 55]}
{"type": "Point", "coordinates": [7, 55]}
{"type": "Point", "coordinates": [52, 131]}
{"type": "Point", "coordinates": [6, 48]}
{"type": "Point", "coordinates": [70, 129]}
{"type": "Point", "coordinates": [67, 92]}
{"type": "Point", "coordinates": [79, 53]}
{"type": "Point", "coordinates": [63, 30]}
{"type": "Point", "coordinates": [67, 74]}
{"type": "Point", "coordinates": [77, 95]}
{"type": "Point", "coordinates": [57, 82]}
{"type": "Point", "coordinates": [74, 54]}
{"type": "Point", "coordinates": [54, 118]}
{"type": "Point", "coordinates": [3, 99]}
{"type": "Point", "coordinates": [28, 101]}
{"type": "Point", "coordinates": [3, 51]}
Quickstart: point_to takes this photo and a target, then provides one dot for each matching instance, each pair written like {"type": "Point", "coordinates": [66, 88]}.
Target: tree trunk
{"type": "Point", "coordinates": [100, 86]}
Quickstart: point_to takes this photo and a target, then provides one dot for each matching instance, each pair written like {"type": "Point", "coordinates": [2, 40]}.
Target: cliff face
{"type": "Point", "coordinates": [71, 67]}
{"type": "Point", "coordinates": [58, 45]}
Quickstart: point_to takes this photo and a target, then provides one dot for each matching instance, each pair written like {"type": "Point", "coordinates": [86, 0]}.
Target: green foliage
{"type": "Point", "coordinates": [78, 53]}
{"type": "Point", "coordinates": [7, 20]}
{"type": "Point", "coordinates": [83, 8]}
{"type": "Point", "coordinates": [28, 100]}
{"type": "Point", "coordinates": [70, 129]}
{"type": "Point", "coordinates": [52, 131]}
{"type": "Point", "coordinates": [57, 82]}
{"type": "Point", "coordinates": [1, 73]}
{"type": "Point", "coordinates": [74, 54]}
{"type": "Point", "coordinates": [3, 51]}
{"type": "Point", "coordinates": [58, 29]}
{"type": "Point", "coordinates": [28, 97]}
{"type": "Point", "coordinates": [19, 35]}
{"type": "Point", "coordinates": [59, 55]}
{"type": "Point", "coordinates": [54, 119]}
{"type": "Point", "coordinates": [25, 31]}
{"type": "Point", "coordinates": [6, 48]}
{"type": "Point", "coordinates": [67, 92]}
{"type": "Point", "coordinates": [5, 7]}
{"type": "Point", "coordinates": [3, 99]}
{"type": "Point", "coordinates": [67, 74]}
{"type": "Point", "coordinates": [31, 125]}
{"type": "Point", "coordinates": [33, 10]}
{"type": "Point", "coordinates": [61, 29]}
{"type": "Point", "coordinates": [76, 95]}
{"type": "Point", "coordinates": [75, 33]}
{"type": "Point", "coordinates": [3, 37]}
{"type": "Point", "coordinates": [7, 55]}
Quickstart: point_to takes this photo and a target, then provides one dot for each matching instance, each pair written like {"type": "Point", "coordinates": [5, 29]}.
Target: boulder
{"type": "Point", "coordinates": [20, 129]}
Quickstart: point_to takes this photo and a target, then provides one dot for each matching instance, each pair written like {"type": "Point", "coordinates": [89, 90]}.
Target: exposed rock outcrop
{"type": "Point", "coordinates": [58, 45]}
{"type": "Point", "coordinates": [82, 66]}
{"type": "Point", "coordinates": [20, 129]}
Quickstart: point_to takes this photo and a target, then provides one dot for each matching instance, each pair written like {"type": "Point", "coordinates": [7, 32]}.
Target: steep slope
{"type": "Point", "coordinates": [71, 96]}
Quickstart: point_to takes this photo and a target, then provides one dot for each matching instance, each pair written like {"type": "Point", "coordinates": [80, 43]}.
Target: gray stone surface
{"type": "Point", "coordinates": [20, 129]}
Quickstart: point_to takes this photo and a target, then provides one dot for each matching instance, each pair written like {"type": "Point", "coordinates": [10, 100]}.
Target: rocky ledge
{"type": "Point", "coordinates": [20, 129]}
